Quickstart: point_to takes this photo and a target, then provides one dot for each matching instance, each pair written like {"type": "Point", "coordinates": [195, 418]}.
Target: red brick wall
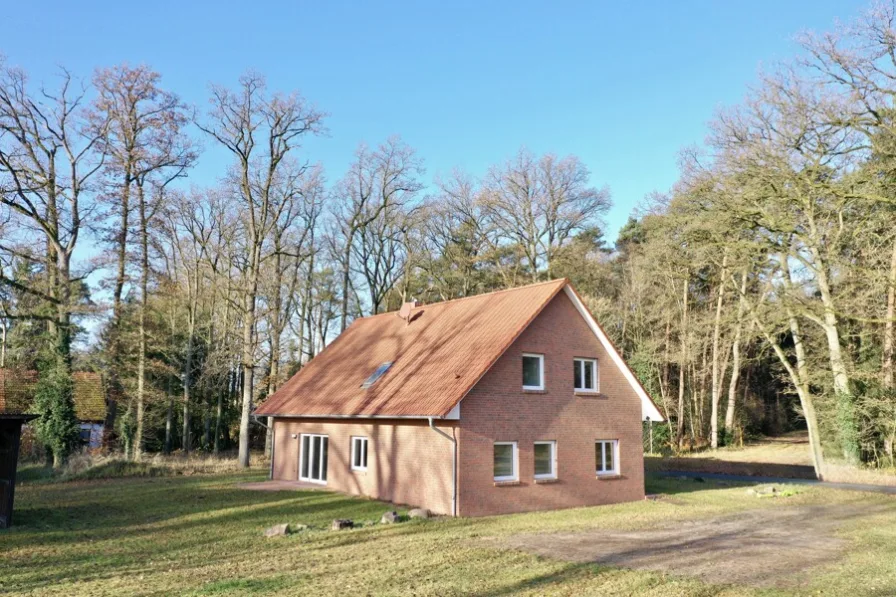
{"type": "Point", "coordinates": [407, 462]}
{"type": "Point", "coordinates": [497, 409]}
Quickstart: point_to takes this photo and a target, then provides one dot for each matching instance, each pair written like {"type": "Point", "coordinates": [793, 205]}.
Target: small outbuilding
{"type": "Point", "coordinates": [94, 409]}
{"type": "Point", "coordinates": [504, 402]}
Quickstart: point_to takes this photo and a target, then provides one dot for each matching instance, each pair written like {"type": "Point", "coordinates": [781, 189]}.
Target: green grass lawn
{"type": "Point", "coordinates": [200, 535]}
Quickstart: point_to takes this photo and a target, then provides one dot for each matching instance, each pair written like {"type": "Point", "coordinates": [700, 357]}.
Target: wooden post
{"type": "Point", "coordinates": [10, 439]}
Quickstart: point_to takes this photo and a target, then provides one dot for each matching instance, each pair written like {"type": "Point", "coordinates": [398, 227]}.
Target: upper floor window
{"type": "Point", "coordinates": [585, 375]}
{"type": "Point", "coordinates": [533, 371]}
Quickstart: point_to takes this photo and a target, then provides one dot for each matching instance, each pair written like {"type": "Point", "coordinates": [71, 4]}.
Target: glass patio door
{"type": "Point", "coordinates": [313, 458]}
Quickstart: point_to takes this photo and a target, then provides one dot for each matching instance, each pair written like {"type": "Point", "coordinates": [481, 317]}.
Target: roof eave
{"type": "Point", "coordinates": [305, 416]}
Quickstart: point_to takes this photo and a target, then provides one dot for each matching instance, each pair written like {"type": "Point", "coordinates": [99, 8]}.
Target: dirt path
{"type": "Point", "coordinates": [763, 548]}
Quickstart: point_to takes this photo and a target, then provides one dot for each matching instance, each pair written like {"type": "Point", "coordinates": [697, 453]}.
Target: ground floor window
{"type": "Point", "coordinates": [606, 453]}
{"type": "Point", "coordinates": [359, 453]}
{"type": "Point", "coordinates": [545, 460]}
{"type": "Point", "coordinates": [313, 458]}
{"type": "Point", "coordinates": [505, 461]}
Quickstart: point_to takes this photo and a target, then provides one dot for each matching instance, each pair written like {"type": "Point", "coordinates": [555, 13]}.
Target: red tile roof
{"type": "Point", "coordinates": [17, 393]}
{"type": "Point", "coordinates": [436, 358]}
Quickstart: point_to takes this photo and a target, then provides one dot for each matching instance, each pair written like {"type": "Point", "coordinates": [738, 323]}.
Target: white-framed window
{"type": "Point", "coordinates": [506, 461]}
{"type": "Point", "coordinates": [313, 457]}
{"type": "Point", "coordinates": [359, 453]}
{"type": "Point", "coordinates": [545, 453]}
{"type": "Point", "coordinates": [606, 456]}
{"type": "Point", "coordinates": [533, 371]}
{"type": "Point", "coordinates": [585, 375]}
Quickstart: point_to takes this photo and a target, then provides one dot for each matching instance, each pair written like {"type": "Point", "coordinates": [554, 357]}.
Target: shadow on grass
{"type": "Point", "coordinates": [726, 467]}
{"type": "Point", "coordinates": [34, 473]}
{"type": "Point", "coordinates": [120, 522]}
{"type": "Point", "coordinates": [578, 574]}
{"type": "Point", "coordinates": [659, 484]}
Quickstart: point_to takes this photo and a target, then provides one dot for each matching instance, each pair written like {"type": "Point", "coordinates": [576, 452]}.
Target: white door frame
{"type": "Point", "coordinates": [321, 457]}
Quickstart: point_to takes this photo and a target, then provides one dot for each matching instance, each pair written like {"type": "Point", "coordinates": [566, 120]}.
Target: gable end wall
{"type": "Point", "coordinates": [497, 409]}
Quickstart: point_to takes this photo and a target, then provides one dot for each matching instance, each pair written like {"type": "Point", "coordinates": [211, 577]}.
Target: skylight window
{"type": "Point", "coordinates": [376, 375]}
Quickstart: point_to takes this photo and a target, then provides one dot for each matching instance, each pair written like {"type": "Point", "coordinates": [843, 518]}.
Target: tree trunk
{"type": "Point", "coordinates": [3, 328]}
{"type": "Point", "coordinates": [121, 256]}
{"type": "Point", "coordinates": [683, 362]}
{"type": "Point", "coordinates": [806, 400]}
{"type": "Point", "coordinates": [699, 397]}
{"type": "Point", "coordinates": [188, 387]}
{"type": "Point", "coordinates": [169, 418]}
{"type": "Point", "coordinates": [115, 356]}
{"type": "Point", "coordinates": [141, 322]}
{"type": "Point", "coordinates": [207, 426]}
{"type": "Point", "coordinates": [346, 281]}
{"type": "Point", "coordinates": [276, 329]}
{"type": "Point", "coordinates": [889, 336]}
{"type": "Point", "coordinates": [219, 411]}
{"type": "Point", "coordinates": [716, 357]}
{"type": "Point", "coordinates": [63, 313]}
{"type": "Point", "coordinates": [248, 352]}
{"type": "Point", "coordinates": [735, 356]}
{"type": "Point", "coordinates": [799, 378]}
{"type": "Point", "coordinates": [845, 407]}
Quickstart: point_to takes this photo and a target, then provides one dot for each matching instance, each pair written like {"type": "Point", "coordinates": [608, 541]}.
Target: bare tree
{"type": "Point", "coordinates": [49, 156]}
{"type": "Point", "coordinates": [148, 148]}
{"type": "Point", "coordinates": [378, 181]}
{"type": "Point", "coordinates": [292, 238]}
{"type": "Point", "coordinates": [537, 204]}
{"type": "Point", "coordinates": [262, 131]}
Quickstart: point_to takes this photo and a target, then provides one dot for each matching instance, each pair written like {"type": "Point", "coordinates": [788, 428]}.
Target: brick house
{"type": "Point", "coordinates": [504, 402]}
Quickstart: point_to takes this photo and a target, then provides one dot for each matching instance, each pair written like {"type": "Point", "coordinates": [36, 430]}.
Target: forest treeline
{"type": "Point", "coordinates": [757, 296]}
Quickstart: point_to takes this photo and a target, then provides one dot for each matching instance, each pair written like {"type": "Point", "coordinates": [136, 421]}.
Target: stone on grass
{"type": "Point", "coordinates": [341, 523]}
{"type": "Point", "coordinates": [419, 513]}
{"type": "Point", "coordinates": [389, 517]}
{"type": "Point", "coordinates": [278, 530]}
{"type": "Point", "coordinates": [763, 491]}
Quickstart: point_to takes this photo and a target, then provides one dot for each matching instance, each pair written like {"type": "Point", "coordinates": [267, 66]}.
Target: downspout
{"type": "Point", "coordinates": [453, 440]}
{"type": "Point", "coordinates": [273, 447]}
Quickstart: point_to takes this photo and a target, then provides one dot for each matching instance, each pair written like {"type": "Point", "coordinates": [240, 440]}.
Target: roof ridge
{"type": "Point", "coordinates": [472, 296]}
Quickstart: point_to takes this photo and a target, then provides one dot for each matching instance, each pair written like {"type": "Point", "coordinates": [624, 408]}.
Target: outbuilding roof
{"type": "Point", "coordinates": [426, 360]}
{"type": "Point", "coordinates": [17, 393]}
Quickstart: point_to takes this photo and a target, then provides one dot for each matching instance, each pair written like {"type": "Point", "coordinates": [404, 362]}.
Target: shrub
{"type": "Point", "coordinates": [57, 427]}
{"type": "Point", "coordinates": [662, 439]}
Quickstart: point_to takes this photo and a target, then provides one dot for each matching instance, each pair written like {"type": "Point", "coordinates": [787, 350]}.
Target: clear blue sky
{"type": "Point", "coordinates": [623, 86]}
